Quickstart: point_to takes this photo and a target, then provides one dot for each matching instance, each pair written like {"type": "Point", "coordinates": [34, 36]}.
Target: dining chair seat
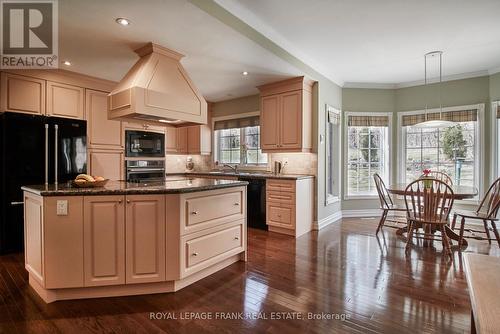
{"type": "Point", "coordinates": [475, 215]}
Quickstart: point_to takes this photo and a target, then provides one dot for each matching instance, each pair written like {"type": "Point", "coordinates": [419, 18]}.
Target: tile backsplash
{"type": "Point", "coordinates": [297, 163]}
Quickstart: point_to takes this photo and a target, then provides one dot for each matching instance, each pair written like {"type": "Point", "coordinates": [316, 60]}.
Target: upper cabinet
{"type": "Point", "coordinates": [65, 100]}
{"type": "Point", "coordinates": [22, 94]}
{"type": "Point", "coordinates": [286, 116]}
{"type": "Point", "coordinates": [195, 139]}
{"type": "Point", "coordinates": [102, 132]}
{"type": "Point", "coordinates": [157, 88]}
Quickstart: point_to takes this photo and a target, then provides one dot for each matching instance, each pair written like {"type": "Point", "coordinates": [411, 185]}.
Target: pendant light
{"type": "Point", "coordinates": [440, 123]}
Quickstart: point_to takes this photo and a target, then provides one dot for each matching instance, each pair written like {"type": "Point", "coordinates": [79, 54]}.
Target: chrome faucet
{"type": "Point", "coordinates": [233, 168]}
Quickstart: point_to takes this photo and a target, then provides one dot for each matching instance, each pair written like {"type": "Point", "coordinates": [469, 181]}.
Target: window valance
{"type": "Point", "coordinates": [368, 120]}
{"type": "Point", "coordinates": [453, 116]}
{"type": "Point", "coordinates": [237, 123]}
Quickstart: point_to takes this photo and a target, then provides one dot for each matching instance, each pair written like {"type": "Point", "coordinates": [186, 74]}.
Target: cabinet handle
{"type": "Point", "coordinates": [194, 212]}
{"type": "Point", "coordinates": [128, 201]}
{"type": "Point", "coordinates": [236, 204]}
{"type": "Point", "coordinates": [279, 216]}
{"type": "Point", "coordinates": [195, 254]}
{"type": "Point", "coordinates": [120, 202]}
{"type": "Point", "coordinates": [236, 238]}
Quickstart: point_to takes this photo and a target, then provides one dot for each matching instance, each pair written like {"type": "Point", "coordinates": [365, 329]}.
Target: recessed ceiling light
{"type": "Point", "coordinates": [67, 63]}
{"type": "Point", "coordinates": [245, 73]}
{"type": "Point", "coordinates": [122, 21]}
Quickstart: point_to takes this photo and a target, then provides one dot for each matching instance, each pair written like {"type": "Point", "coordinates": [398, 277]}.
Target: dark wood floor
{"type": "Point", "coordinates": [344, 269]}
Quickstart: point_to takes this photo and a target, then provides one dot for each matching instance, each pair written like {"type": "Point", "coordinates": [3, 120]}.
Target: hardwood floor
{"type": "Point", "coordinates": [343, 269]}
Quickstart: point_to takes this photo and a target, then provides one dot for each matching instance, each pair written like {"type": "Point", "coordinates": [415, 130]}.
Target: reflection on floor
{"type": "Point", "coordinates": [366, 284]}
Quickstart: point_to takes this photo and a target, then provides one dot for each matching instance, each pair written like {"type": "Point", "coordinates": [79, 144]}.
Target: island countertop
{"type": "Point", "coordinates": [171, 185]}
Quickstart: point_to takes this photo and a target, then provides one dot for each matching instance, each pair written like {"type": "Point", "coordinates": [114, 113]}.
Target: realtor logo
{"type": "Point", "coordinates": [29, 34]}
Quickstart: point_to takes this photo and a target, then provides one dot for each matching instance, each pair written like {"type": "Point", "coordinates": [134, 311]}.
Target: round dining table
{"type": "Point", "coordinates": [459, 193]}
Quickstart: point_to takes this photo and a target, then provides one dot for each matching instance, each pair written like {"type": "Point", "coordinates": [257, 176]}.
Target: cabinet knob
{"type": "Point", "coordinates": [194, 212]}
{"type": "Point", "coordinates": [195, 254]}
{"type": "Point", "coordinates": [279, 216]}
{"type": "Point", "coordinates": [120, 202]}
{"type": "Point", "coordinates": [236, 204]}
{"type": "Point", "coordinates": [236, 238]}
{"type": "Point", "coordinates": [128, 201]}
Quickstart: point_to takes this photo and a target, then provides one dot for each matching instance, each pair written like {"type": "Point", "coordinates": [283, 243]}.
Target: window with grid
{"type": "Point", "coordinates": [238, 142]}
{"type": "Point", "coordinates": [451, 150]}
{"type": "Point", "coordinates": [367, 153]}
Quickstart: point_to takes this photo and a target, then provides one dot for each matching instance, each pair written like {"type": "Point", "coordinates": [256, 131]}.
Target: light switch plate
{"type": "Point", "coordinates": [62, 208]}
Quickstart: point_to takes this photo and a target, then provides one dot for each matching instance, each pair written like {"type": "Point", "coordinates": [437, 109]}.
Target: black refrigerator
{"type": "Point", "coordinates": [34, 150]}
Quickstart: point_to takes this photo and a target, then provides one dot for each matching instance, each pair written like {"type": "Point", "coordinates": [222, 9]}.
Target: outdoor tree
{"type": "Point", "coordinates": [454, 143]}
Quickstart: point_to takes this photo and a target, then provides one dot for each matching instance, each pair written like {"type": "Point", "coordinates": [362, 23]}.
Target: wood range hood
{"type": "Point", "coordinates": [157, 89]}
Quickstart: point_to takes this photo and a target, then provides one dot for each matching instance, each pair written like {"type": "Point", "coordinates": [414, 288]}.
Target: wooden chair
{"type": "Point", "coordinates": [441, 176]}
{"type": "Point", "coordinates": [428, 204]}
{"type": "Point", "coordinates": [386, 203]}
{"type": "Point", "coordinates": [486, 211]}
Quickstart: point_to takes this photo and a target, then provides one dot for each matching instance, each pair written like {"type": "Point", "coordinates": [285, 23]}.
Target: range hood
{"type": "Point", "coordinates": [157, 89]}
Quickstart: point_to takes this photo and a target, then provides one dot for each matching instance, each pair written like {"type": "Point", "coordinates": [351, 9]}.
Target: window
{"type": "Point", "coordinates": [237, 141]}
{"type": "Point", "coordinates": [496, 154]}
{"type": "Point", "coordinates": [367, 152]}
{"type": "Point", "coordinates": [453, 150]}
{"type": "Point", "coordinates": [332, 154]}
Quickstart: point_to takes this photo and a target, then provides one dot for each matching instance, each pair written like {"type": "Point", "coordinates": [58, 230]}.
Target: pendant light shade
{"type": "Point", "coordinates": [440, 123]}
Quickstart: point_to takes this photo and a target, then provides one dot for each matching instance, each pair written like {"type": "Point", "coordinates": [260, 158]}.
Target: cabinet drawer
{"type": "Point", "coordinates": [207, 211]}
{"type": "Point", "coordinates": [281, 215]}
{"type": "Point", "coordinates": [202, 250]}
{"type": "Point", "coordinates": [280, 196]}
{"type": "Point", "coordinates": [281, 185]}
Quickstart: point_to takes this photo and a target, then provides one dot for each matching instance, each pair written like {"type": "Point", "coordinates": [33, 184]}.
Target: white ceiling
{"type": "Point", "coordinates": [383, 41]}
{"type": "Point", "coordinates": [215, 53]}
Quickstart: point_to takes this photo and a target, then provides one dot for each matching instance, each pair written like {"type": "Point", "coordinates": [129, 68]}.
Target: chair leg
{"type": "Point", "coordinates": [410, 235]}
{"type": "Point", "coordinates": [496, 232]}
{"type": "Point", "coordinates": [446, 242]}
{"type": "Point", "coordinates": [454, 221]}
{"type": "Point", "coordinates": [461, 238]}
{"type": "Point", "coordinates": [485, 223]}
{"type": "Point", "coordinates": [382, 221]}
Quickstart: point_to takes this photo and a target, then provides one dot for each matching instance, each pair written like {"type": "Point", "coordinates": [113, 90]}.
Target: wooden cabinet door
{"type": "Point", "coordinates": [22, 94]}
{"type": "Point", "coordinates": [291, 120]}
{"type": "Point", "coordinates": [104, 240]}
{"type": "Point", "coordinates": [108, 164]}
{"type": "Point", "coordinates": [145, 238]}
{"type": "Point", "coordinates": [182, 140]}
{"type": "Point", "coordinates": [269, 122]}
{"type": "Point", "coordinates": [193, 139]}
{"type": "Point", "coordinates": [102, 132]}
{"type": "Point", "coordinates": [65, 100]}
{"type": "Point", "coordinates": [171, 140]}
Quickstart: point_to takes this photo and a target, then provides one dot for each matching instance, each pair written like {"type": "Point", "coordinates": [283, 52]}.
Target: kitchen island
{"type": "Point", "coordinates": [131, 238]}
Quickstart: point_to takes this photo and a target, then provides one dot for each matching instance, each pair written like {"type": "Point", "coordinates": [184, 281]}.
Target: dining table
{"type": "Point", "coordinates": [459, 193]}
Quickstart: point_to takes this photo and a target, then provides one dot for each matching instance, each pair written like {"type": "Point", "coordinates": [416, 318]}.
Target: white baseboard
{"type": "Point", "coordinates": [361, 213]}
{"type": "Point", "coordinates": [318, 225]}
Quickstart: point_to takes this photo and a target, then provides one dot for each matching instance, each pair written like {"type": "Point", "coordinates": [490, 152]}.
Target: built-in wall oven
{"type": "Point", "coordinates": [145, 170]}
{"type": "Point", "coordinates": [144, 144]}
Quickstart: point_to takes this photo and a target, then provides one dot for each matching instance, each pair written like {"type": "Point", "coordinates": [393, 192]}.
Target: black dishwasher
{"type": "Point", "coordinates": [256, 202]}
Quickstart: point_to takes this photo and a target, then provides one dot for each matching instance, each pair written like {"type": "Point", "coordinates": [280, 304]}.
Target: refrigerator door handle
{"type": "Point", "coordinates": [16, 203]}
{"type": "Point", "coordinates": [56, 153]}
{"type": "Point", "coordinates": [46, 154]}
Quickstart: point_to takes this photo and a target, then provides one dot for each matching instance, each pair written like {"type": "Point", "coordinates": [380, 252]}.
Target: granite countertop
{"type": "Point", "coordinates": [247, 175]}
{"type": "Point", "coordinates": [171, 185]}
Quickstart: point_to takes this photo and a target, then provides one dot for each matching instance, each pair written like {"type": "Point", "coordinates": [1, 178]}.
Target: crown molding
{"type": "Point", "coordinates": [494, 71]}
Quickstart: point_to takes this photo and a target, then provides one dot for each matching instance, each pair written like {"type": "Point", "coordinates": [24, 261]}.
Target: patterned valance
{"type": "Point", "coordinates": [368, 121]}
{"type": "Point", "coordinates": [237, 123]}
{"type": "Point", "coordinates": [453, 116]}
{"type": "Point", "coordinates": [333, 117]}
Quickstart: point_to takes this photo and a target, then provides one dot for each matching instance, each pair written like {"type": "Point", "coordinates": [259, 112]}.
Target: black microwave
{"type": "Point", "coordinates": [144, 144]}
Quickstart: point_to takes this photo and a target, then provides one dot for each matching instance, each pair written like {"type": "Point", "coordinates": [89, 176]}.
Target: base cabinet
{"type": "Point", "coordinates": [289, 206]}
{"type": "Point", "coordinates": [104, 240]}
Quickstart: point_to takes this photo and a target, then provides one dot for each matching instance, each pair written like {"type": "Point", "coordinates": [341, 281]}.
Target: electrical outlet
{"type": "Point", "coordinates": [62, 208]}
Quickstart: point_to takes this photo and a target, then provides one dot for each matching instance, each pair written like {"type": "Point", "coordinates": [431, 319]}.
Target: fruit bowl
{"type": "Point", "coordinates": [90, 184]}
